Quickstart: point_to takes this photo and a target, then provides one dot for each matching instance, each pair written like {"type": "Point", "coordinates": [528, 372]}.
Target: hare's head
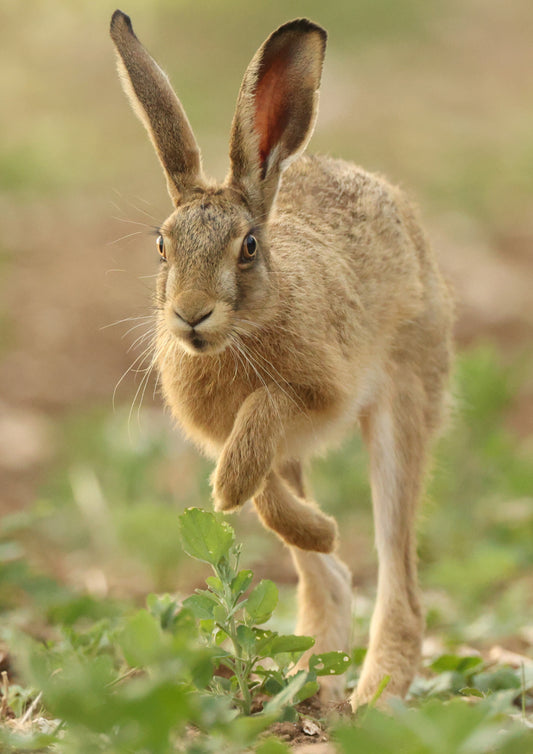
{"type": "Point", "coordinates": [216, 273]}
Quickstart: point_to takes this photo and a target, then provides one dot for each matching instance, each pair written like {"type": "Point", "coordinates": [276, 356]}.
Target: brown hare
{"type": "Point", "coordinates": [295, 300]}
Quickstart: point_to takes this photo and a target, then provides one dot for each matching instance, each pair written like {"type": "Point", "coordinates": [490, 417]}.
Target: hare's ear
{"type": "Point", "coordinates": [276, 109]}
{"type": "Point", "coordinates": [159, 109]}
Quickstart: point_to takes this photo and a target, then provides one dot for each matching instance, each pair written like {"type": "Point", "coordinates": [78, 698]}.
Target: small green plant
{"type": "Point", "coordinates": [259, 661]}
{"type": "Point", "coordinates": [198, 676]}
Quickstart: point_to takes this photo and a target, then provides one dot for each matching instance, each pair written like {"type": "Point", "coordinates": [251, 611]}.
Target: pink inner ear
{"type": "Point", "coordinates": [272, 105]}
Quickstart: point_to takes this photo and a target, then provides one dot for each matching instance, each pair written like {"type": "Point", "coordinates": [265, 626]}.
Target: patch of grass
{"type": "Point", "coordinates": [152, 680]}
{"type": "Point", "coordinates": [204, 675]}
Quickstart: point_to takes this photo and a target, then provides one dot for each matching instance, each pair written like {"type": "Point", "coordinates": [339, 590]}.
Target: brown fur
{"type": "Point", "coordinates": [342, 317]}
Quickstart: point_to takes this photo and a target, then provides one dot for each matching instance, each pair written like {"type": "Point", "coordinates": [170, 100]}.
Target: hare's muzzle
{"type": "Point", "coordinates": [193, 307]}
{"type": "Point", "coordinates": [198, 321]}
{"type": "Point", "coordinates": [192, 320]}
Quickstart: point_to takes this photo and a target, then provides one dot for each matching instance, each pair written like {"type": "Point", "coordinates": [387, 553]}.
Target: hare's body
{"type": "Point", "coordinates": [295, 301]}
{"type": "Point", "coordinates": [357, 285]}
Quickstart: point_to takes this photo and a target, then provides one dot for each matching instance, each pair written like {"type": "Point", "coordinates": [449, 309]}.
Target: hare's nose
{"type": "Point", "coordinates": [192, 319]}
{"type": "Point", "coordinates": [193, 307]}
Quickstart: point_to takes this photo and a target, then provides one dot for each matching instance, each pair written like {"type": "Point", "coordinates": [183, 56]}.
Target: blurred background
{"type": "Point", "coordinates": [439, 97]}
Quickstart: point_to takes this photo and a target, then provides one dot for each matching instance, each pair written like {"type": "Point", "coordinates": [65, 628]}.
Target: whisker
{"type": "Point", "coordinates": [135, 222]}
{"type": "Point", "coordinates": [126, 319]}
{"type": "Point", "coordinates": [141, 390]}
{"type": "Point", "coordinates": [131, 368]}
{"type": "Point", "coordinates": [123, 238]}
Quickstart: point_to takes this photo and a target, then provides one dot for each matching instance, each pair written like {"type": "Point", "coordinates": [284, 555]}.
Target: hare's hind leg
{"type": "Point", "coordinates": [324, 597]}
{"type": "Point", "coordinates": [397, 434]}
{"type": "Point", "coordinates": [324, 610]}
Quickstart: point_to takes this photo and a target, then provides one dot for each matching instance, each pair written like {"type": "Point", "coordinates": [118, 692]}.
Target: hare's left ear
{"type": "Point", "coordinates": [276, 109]}
{"type": "Point", "coordinates": [159, 109]}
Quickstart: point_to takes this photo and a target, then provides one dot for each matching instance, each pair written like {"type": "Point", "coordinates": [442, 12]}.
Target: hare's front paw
{"type": "Point", "coordinates": [229, 491]}
{"type": "Point", "coordinates": [234, 482]}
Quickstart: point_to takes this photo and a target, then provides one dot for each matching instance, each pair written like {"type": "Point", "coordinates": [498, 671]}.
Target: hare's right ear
{"type": "Point", "coordinates": [276, 109]}
{"type": "Point", "coordinates": [159, 109]}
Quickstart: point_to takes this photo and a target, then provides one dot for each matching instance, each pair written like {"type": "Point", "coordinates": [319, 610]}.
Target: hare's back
{"type": "Point", "coordinates": [335, 221]}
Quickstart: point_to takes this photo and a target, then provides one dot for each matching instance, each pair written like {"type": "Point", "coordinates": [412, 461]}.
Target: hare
{"type": "Point", "coordinates": [295, 300]}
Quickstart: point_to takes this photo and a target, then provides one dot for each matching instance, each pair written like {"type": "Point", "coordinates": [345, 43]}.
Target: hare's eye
{"type": "Point", "coordinates": [161, 247]}
{"type": "Point", "coordinates": [249, 248]}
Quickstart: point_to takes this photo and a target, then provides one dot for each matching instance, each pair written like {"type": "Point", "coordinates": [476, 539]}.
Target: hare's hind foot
{"type": "Point", "coordinates": [391, 663]}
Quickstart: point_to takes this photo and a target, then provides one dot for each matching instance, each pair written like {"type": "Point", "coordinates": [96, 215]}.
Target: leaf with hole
{"type": "Point", "coordinates": [329, 663]}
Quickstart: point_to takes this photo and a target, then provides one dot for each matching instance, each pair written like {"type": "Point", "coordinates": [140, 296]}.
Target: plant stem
{"type": "Point", "coordinates": [242, 668]}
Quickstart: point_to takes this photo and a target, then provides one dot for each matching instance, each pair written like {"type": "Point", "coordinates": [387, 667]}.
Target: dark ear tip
{"type": "Point", "coordinates": [119, 18]}
{"type": "Point", "coordinates": [304, 25]}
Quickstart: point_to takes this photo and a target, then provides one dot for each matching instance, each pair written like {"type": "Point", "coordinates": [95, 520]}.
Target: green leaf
{"type": "Point", "coordinates": [501, 679]}
{"type": "Point", "coordinates": [204, 537]}
{"type": "Point", "coordinates": [141, 639]}
{"type": "Point", "coordinates": [307, 690]}
{"type": "Point", "coordinates": [215, 584]}
{"type": "Point", "coordinates": [184, 625]}
{"type": "Point", "coordinates": [470, 691]}
{"type": "Point", "coordinates": [244, 730]}
{"type": "Point", "coordinates": [286, 696]}
{"type": "Point", "coordinates": [456, 663]}
{"type": "Point", "coordinates": [241, 582]}
{"type": "Point", "coordinates": [164, 607]}
{"type": "Point", "coordinates": [246, 639]}
{"type": "Point", "coordinates": [272, 685]}
{"type": "Point", "coordinates": [329, 663]}
{"type": "Point", "coordinates": [289, 643]}
{"type": "Point", "coordinates": [272, 746]}
{"type": "Point", "coordinates": [261, 601]}
{"type": "Point", "coordinates": [202, 662]}
{"type": "Point", "coordinates": [263, 639]}
{"type": "Point", "coordinates": [220, 615]}
{"type": "Point", "coordinates": [202, 605]}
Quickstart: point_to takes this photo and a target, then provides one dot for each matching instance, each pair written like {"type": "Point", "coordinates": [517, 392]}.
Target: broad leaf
{"type": "Point", "coordinates": [246, 639]}
{"type": "Point", "coordinates": [262, 601]}
{"type": "Point", "coordinates": [241, 582]}
{"type": "Point", "coordinates": [329, 663]}
{"type": "Point", "coordinates": [281, 644]}
{"type": "Point", "coordinates": [202, 605]}
{"type": "Point", "coordinates": [287, 695]}
{"type": "Point", "coordinates": [455, 662]}
{"type": "Point", "coordinates": [307, 690]}
{"type": "Point", "coordinates": [141, 639]}
{"type": "Point", "coordinates": [204, 537]}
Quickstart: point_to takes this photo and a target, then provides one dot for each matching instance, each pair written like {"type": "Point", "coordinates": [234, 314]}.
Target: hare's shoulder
{"type": "Point", "coordinates": [318, 184]}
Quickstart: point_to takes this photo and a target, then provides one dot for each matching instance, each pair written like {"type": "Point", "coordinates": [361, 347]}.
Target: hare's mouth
{"type": "Point", "coordinates": [198, 343]}
{"type": "Point", "coordinates": [198, 333]}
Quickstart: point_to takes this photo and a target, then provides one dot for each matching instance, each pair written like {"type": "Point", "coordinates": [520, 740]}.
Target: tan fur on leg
{"type": "Point", "coordinates": [324, 610]}
{"type": "Point", "coordinates": [324, 597]}
{"type": "Point", "coordinates": [297, 522]}
{"type": "Point", "coordinates": [394, 431]}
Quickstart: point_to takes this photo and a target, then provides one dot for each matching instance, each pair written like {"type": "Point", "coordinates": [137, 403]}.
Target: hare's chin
{"type": "Point", "coordinates": [197, 345]}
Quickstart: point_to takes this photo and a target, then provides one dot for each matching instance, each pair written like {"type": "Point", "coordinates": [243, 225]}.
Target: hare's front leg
{"type": "Point", "coordinates": [244, 470]}
{"type": "Point", "coordinates": [249, 452]}
{"type": "Point", "coordinates": [396, 433]}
